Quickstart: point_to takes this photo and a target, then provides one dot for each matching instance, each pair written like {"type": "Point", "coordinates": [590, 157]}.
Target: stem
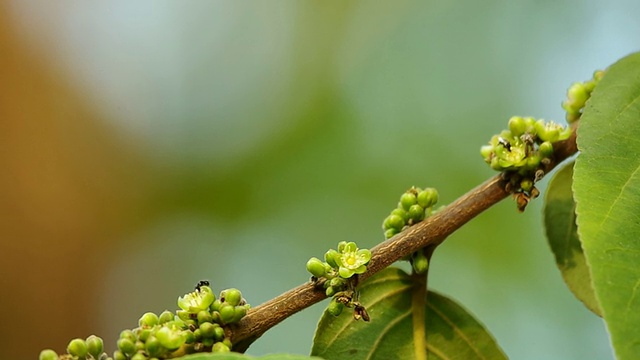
{"type": "Point", "coordinates": [429, 233]}
{"type": "Point", "coordinates": [418, 304]}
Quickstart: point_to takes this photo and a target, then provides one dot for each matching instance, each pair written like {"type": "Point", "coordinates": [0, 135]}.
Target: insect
{"type": "Point", "coordinates": [201, 283]}
{"type": "Point", "coordinates": [502, 141]}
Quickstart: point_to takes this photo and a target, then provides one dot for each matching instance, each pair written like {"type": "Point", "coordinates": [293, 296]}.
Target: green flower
{"type": "Point", "coordinates": [197, 301]}
{"type": "Point", "coordinates": [352, 260]}
{"type": "Point", "coordinates": [513, 156]}
{"type": "Point", "coordinates": [551, 131]}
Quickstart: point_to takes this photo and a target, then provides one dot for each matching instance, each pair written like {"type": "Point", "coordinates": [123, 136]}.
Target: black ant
{"type": "Point", "coordinates": [507, 145]}
{"type": "Point", "coordinates": [201, 283]}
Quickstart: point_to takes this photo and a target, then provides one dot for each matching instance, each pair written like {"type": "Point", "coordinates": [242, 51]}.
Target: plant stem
{"type": "Point", "coordinates": [430, 232]}
{"type": "Point", "coordinates": [418, 304]}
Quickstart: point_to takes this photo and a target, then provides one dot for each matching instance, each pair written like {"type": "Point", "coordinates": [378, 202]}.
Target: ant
{"type": "Point", "coordinates": [506, 144]}
{"type": "Point", "coordinates": [201, 283]}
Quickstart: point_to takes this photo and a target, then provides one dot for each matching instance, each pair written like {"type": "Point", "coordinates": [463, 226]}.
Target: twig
{"type": "Point", "coordinates": [430, 232]}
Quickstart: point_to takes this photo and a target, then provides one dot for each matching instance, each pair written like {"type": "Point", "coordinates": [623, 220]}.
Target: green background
{"type": "Point", "coordinates": [149, 145]}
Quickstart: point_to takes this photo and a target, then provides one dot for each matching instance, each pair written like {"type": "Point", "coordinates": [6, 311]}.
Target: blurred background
{"type": "Point", "coordinates": [147, 145]}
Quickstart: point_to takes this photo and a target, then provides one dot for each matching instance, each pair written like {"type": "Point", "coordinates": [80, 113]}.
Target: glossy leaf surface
{"type": "Point", "coordinates": [451, 331]}
{"type": "Point", "coordinates": [562, 235]}
{"type": "Point", "coordinates": [607, 193]}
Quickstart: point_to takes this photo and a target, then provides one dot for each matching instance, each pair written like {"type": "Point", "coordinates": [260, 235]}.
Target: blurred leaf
{"type": "Point", "coordinates": [237, 356]}
{"type": "Point", "coordinates": [562, 234]}
{"type": "Point", "coordinates": [451, 331]}
{"type": "Point", "coordinates": [607, 193]}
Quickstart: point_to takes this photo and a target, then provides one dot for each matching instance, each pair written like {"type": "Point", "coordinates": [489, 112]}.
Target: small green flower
{"type": "Point", "coordinates": [352, 260]}
{"type": "Point", "coordinates": [196, 301]}
{"type": "Point", "coordinates": [512, 157]}
{"type": "Point", "coordinates": [552, 132]}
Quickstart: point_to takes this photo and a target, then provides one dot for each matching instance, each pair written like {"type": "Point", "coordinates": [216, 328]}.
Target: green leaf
{"type": "Point", "coordinates": [451, 331]}
{"type": "Point", "coordinates": [562, 234]}
{"type": "Point", "coordinates": [607, 193]}
{"type": "Point", "coordinates": [237, 356]}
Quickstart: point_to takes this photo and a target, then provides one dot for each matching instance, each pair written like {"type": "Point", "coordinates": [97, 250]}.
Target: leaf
{"type": "Point", "coordinates": [237, 356]}
{"type": "Point", "coordinates": [451, 331]}
{"type": "Point", "coordinates": [607, 193]}
{"type": "Point", "coordinates": [562, 234]}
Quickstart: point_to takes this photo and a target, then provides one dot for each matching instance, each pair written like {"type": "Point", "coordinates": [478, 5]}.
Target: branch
{"type": "Point", "coordinates": [429, 233]}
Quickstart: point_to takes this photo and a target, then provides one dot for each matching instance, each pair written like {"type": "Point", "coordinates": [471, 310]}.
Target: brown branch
{"type": "Point", "coordinates": [431, 232]}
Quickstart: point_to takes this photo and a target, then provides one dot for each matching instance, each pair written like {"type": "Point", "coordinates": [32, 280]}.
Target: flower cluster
{"type": "Point", "coordinates": [577, 96]}
{"type": "Point", "coordinates": [199, 326]}
{"type": "Point", "coordinates": [522, 152]}
{"type": "Point", "coordinates": [414, 206]}
{"type": "Point", "coordinates": [524, 146]}
{"type": "Point", "coordinates": [335, 274]}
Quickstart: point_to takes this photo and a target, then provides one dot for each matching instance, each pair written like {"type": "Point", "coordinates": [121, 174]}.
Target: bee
{"type": "Point", "coordinates": [201, 283]}
{"type": "Point", "coordinates": [502, 141]}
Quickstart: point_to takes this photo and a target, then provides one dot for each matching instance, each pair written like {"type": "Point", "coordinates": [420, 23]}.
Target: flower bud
{"type": "Point", "coordinates": [95, 346]}
{"type": "Point", "coordinates": [149, 319]}
{"type": "Point", "coordinates": [419, 262]}
{"type": "Point", "coordinates": [316, 267]}
{"type": "Point", "coordinates": [407, 199]}
{"type": "Point", "coordinates": [330, 291]}
{"type": "Point", "coordinates": [207, 330]}
{"type": "Point", "coordinates": [517, 125]}
{"type": "Point", "coordinates": [218, 333]}
{"type": "Point", "coordinates": [546, 149]}
{"type": "Point", "coordinates": [165, 317]}
{"type": "Point", "coordinates": [127, 346]}
{"type": "Point", "coordinates": [485, 151]}
{"type": "Point", "coordinates": [526, 185]}
{"type": "Point", "coordinates": [396, 222]}
{"type": "Point", "coordinates": [416, 213]}
{"type": "Point", "coordinates": [335, 308]}
{"type": "Point", "coordinates": [400, 212]}
{"type": "Point", "coordinates": [118, 355]}
{"type": "Point", "coordinates": [170, 339]}
{"type": "Point", "coordinates": [220, 347]}
{"type": "Point", "coordinates": [227, 313]}
{"type": "Point", "coordinates": [428, 197]}
{"type": "Point", "coordinates": [77, 347]}
{"type": "Point", "coordinates": [389, 233]}
{"type": "Point", "coordinates": [330, 257]}
{"type": "Point", "coordinates": [48, 354]}
{"type": "Point", "coordinates": [577, 94]}
{"type": "Point", "coordinates": [231, 296]}
{"type": "Point", "coordinates": [240, 312]}
{"type": "Point", "coordinates": [139, 356]}
{"type": "Point", "coordinates": [204, 316]}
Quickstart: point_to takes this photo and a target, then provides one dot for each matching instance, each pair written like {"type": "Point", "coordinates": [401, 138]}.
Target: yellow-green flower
{"type": "Point", "coordinates": [352, 260]}
{"type": "Point", "coordinates": [197, 301]}
{"type": "Point", "coordinates": [551, 132]}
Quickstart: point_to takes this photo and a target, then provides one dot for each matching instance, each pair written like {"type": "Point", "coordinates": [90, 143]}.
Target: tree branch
{"type": "Point", "coordinates": [430, 232]}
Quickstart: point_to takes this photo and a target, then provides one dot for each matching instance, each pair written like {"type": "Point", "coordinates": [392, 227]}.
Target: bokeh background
{"type": "Point", "coordinates": [147, 145]}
